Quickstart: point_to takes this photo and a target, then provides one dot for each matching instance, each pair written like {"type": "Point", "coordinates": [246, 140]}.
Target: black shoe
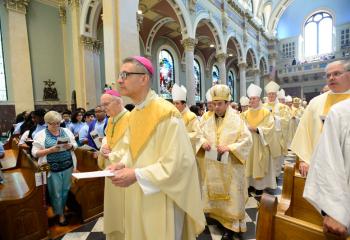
{"type": "Point", "coordinates": [228, 235]}
{"type": "Point", "coordinates": [64, 223]}
{"type": "Point", "coordinates": [258, 192]}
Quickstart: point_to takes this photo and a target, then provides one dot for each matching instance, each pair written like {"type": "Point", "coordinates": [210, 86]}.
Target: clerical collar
{"type": "Point", "coordinates": [150, 96]}
{"type": "Point", "coordinates": [216, 116]}
{"type": "Point", "coordinates": [185, 110]}
{"type": "Point", "coordinates": [346, 92]}
{"type": "Point", "coordinates": [119, 116]}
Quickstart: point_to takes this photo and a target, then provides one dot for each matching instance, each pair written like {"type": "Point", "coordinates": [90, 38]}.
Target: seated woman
{"type": "Point", "coordinates": [60, 157]}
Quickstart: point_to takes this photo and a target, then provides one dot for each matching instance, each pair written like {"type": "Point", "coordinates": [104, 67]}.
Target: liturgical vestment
{"type": "Point", "coordinates": [260, 170]}
{"type": "Point", "coordinates": [310, 127]}
{"type": "Point", "coordinates": [193, 128]}
{"type": "Point", "coordinates": [224, 184]}
{"type": "Point", "coordinates": [328, 182]}
{"type": "Point", "coordinates": [161, 154]}
{"type": "Point", "coordinates": [113, 195]}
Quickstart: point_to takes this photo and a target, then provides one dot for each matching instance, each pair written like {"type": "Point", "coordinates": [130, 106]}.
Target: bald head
{"type": "Point", "coordinates": [112, 105]}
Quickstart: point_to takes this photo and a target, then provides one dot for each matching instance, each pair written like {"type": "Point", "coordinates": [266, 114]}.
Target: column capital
{"type": "Point", "coordinates": [273, 55]}
{"type": "Point", "coordinates": [62, 13]}
{"type": "Point", "coordinates": [256, 71]}
{"type": "Point", "coordinates": [189, 44]}
{"type": "Point", "coordinates": [221, 57]}
{"type": "Point", "coordinates": [19, 6]}
{"type": "Point", "coordinates": [73, 3]}
{"type": "Point", "coordinates": [91, 44]}
{"type": "Point", "coordinates": [242, 65]}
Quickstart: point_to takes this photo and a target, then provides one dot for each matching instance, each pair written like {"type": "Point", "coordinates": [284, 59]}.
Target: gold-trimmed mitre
{"type": "Point", "coordinates": [220, 92]}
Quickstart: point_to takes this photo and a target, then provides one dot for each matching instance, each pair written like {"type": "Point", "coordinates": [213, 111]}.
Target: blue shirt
{"type": "Point", "coordinates": [2, 150]}
{"type": "Point", "coordinates": [38, 129]}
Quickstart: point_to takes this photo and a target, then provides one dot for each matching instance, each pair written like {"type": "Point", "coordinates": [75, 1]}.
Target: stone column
{"type": "Point", "coordinates": [76, 71]}
{"type": "Point", "coordinates": [221, 58]}
{"type": "Point", "coordinates": [120, 32]}
{"type": "Point", "coordinates": [91, 69]}
{"type": "Point", "coordinates": [273, 57]}
{"type": "Point", "coordinates": [257, 76]}
{"type": "Point", "coordinates": [63, 17]}
{"type": "Point", "coordinates": [242, 78]}
{"type": "Point", "coordinates": [235, 97]}
{"type": "Point", "coordinates": [189, 44]}
{"type": "Point", "coordinates": [20, 66]}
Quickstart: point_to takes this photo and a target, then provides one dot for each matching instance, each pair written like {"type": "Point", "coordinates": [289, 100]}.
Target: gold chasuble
{"type": "Point", "coordinates": [161, 151]}
{"type": "Point", "coordinates": [224, 183]}
{"type": "Point", "coordinates": [297, 113]}
{"type": "Point", "coordinates": [257, 166]}
{"type": "Point", "coordinates": [310, 126]}
{"type": "Point", "coordinates": [193, 128]}
{"type": "Point", "coordinates": [113, 195]}
{"type": "Point", "coordinates": [282, 116]}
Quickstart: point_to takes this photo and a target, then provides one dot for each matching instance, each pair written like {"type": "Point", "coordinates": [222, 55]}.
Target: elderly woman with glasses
{"type": "Point", "coordinates": [54, 146]}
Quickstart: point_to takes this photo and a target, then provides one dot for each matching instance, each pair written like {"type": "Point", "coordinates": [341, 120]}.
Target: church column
{"type": "Point", "coordinates": [77, 68]}
{"type": "Point", "coordinates": [63, 17]}
{"type": "Point", "coordinates": [221, 58]}
{"type": "Point", "coordinates": [257, 76]}
{"type": "Point", "coordinates": [242, 78]}
{"type": "Point", "coordinates": [91, 68]}
{"type": "Point", "coordinates": [20, 66]}
{"type": "Point", "coordinates": [235, 97]}
{"type": "Point", "coordinates": [189, 44]}
{"type": "Point", "coordinates": [121, 36]}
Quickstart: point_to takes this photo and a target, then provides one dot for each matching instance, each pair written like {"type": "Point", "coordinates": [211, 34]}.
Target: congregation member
{"type": "Point", "coordinates": [327, 185]}
{"type": "Point", "coordinates": [96, 128]}
{"type": "Point", "coordinates": [159, 171]}
{"type": "Point", "coordinates": [190, 119]}
{"type": "Point", "coordinates": [281, 114]}
{"type": "Point", "coordinates": [20, 120]}
{"type": "Point", "coordinates": [77, 123]}
{"type": "Point", "coordinates": [244, 102]}
{"type": "Point", "coordinates": [66, 118]}
{"type": "Point", "coordinates": [60, 158]}
{"type": "Point", "coordinates": [260, 168]}
{"type": "Point", "coordinates": [310, 126]}
{"type": "Point", "coordinates": [2, 150]}
{"type": "Point", "coordinates": [88, 117]}
{"type": "Point", "coordinates": [112, 150]}
{"type": "Point", "coordinates": [226, 147]}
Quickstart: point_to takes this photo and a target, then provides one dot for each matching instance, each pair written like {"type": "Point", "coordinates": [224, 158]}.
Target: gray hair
{"type": "Point", "coordinates": [344, 63]}
{"type": "Point", "coordinates": [52, 116]}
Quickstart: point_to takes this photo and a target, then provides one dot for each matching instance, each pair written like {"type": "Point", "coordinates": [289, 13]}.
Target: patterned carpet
{"type": "Point", "coordinates": [93, 230]}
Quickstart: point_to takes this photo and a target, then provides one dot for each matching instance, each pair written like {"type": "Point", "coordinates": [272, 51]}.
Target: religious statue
{"type": "Point", "coordinates": [50, 92]}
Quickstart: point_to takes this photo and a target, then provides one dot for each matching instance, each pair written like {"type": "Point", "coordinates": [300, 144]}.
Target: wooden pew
{"type": "Point", "coordinates": [11, 155]}
{"type": "Point", "coordinates": [22, 204]}
{"type": "Point", "coordinates": [293, 217]}
{"type": "Point", "coordinates": [88, 192]}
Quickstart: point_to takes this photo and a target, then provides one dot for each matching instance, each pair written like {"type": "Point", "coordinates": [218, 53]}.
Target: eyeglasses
{"type": "Point", "coordinates": [124, 75]}
{"type": "Point", "coordinates": [54, 123]}
{"type": "Point", "coordinates": [334, 74]}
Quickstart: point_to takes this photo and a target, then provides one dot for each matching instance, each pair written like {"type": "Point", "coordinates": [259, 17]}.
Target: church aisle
{"type": "Point", "coordinates": [93, 230]}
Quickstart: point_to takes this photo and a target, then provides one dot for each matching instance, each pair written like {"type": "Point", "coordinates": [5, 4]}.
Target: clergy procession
{"type": "Point", "coordinates": [174, 120]}
{"type": "Point", "coordinates": [172, 171]}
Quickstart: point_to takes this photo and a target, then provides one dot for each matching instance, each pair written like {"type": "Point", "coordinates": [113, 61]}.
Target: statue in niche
{"type": "Point", "coordinates": [50, 92]}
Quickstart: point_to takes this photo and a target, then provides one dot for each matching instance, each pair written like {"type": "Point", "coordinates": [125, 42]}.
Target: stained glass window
{"type": "Point", "coordinates": [230, 81]}
{"type": "Point", "coordinates": [166, 73]}
{"type": "Point", "coordinates": [3, 92]}
{"type": "Point", "coordinates": [215, 74]}
{"type": "Point", "coordinates": [318, 34]}
{"type": "Point", "coordinates": [197, 79]}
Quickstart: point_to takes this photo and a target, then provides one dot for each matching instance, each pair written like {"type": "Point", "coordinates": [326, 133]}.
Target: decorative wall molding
{"type": "Point", "coordinates": [91, 44]}
{"type": "Point", "coordinates": [63, 14]}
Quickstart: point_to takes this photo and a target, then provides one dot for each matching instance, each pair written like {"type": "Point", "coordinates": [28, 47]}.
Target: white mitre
{"type": "Point", "coordinates": [272, 87]}
{"type": "Point", "coordinates": [254, 90]}
{"type": "Point", "coordinates": [178, 93]}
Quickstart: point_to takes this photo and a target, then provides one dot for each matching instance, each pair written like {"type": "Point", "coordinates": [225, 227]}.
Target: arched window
{"type": "Point", "coordinates": [318, 34]}
{"type": "Point", "coordinates": [166, 73]}
{"type": "Point", "coordinates": [197, 79]}
{"type": "Point", "coordinates": [230, 81]}
{"type": "Point", "coordinates": [3, 91]}
{"type": "Point", "coordinates": [215, 74]}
